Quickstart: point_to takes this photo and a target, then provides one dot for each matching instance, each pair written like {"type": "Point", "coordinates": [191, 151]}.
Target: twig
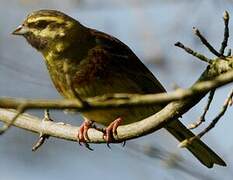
{"type": "Point", "coordinates": [217, 118]}
{"type": "Point", "coordinates": [226, 18]}
{"type": "Point", "coordinates": [208, 45]}
{"type": "Point", "coordinates": [42, 136]}
{"type": "Point", "coordinates": [202, 118]}
{"type": "Point", "coordinates": [205, 42]}
{"type": "Point", "coordinates": [20, 109]}
{"type": "Point", "coordinates": [196, 54]}
{"type": "Point", "coordinates": [189, 141]}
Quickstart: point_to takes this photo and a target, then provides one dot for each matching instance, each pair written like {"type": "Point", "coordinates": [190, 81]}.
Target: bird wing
{"type": "Point", "coordinates": [123, 60]}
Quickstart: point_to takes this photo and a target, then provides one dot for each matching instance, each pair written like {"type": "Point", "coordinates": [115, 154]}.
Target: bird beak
{"type": "Point", "coordinates": [20, 30]}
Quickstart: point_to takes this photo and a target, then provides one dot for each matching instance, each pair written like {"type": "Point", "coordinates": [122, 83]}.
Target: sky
{"type": "Point", "coordinates": [150, 28]}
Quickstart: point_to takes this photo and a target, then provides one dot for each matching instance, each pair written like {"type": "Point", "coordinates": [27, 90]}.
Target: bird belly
{"type": "Point", "coordinates": [97, 86]}
{"type": "Point", "coordinates": [110, 86]}
{"type": "Point", "coordinates": [129, 115]}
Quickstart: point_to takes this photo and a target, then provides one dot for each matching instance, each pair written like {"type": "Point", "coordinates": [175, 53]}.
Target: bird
{"type": "Point", "coordinates": [84, 62]}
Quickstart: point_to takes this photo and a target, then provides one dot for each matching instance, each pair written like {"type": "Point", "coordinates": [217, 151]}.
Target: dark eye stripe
{"type": "Point", "coordinates": [56, 25]}
{"type": "Point", "coordinates": [40, 24]}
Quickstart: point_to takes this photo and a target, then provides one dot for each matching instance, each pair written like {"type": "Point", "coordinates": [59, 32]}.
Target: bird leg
{"type": "Point", "coordinates": [111, 130]}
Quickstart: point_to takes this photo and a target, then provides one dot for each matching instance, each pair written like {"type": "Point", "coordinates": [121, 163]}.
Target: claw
{"type": "Point", "coordinates": [123, 143]}
{"type": "Point", "coordinates": [88, 146]}
{"type": "Point", "coordinates": [108, 145]}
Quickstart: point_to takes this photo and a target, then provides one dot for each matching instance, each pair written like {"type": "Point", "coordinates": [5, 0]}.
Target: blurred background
{"type": "Point", "coordinates": [150, 28]}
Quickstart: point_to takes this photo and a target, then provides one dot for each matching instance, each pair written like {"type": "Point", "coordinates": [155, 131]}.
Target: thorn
{"type": "Point", "coordinates": [123, 144]}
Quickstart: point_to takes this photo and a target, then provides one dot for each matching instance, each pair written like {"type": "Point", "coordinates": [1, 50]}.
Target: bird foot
{"type": "Point", "coordinates": [82, 136]}
{"type": "Point", "coordinates": [82, 132]}
{"type": "Point", "coordinates": [111, 130]}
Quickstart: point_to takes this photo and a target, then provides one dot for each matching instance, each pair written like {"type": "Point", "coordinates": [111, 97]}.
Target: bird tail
{"type": "Point", "coordinates": [199, 149]}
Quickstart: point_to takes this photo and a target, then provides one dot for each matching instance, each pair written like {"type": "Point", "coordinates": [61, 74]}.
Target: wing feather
{"type": "Point", "coordinates": [123, 60]}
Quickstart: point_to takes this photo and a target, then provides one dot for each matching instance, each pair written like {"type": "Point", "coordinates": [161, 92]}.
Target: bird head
{"type": "Point", "coordinates": [48, 29]}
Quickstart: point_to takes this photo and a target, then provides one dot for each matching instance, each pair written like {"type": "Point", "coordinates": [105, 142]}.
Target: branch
{"type": "Point", "coordinates": [171, 111]}
{"type": "Point", "coordinates": [122, 100]}
{"type": "Point", "coordinates": [21, 108]}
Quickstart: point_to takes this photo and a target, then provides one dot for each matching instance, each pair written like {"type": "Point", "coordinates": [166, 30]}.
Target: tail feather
{"type": "Point", "coordinates": [199, 149]}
